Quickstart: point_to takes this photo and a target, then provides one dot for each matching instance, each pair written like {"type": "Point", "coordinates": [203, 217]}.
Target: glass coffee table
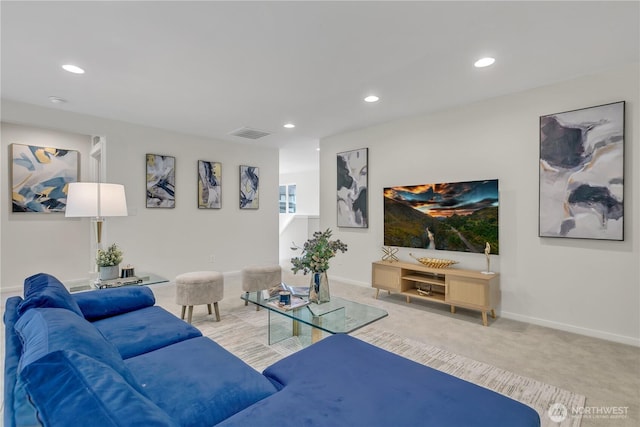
{"type": "Point", "coordinates": [311, 322]}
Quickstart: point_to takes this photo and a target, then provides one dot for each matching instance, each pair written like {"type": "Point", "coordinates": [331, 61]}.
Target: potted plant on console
{"type": "Point", "coordinates": [314, 259]}
{"type": "Point", "coordinates": [108, 262]}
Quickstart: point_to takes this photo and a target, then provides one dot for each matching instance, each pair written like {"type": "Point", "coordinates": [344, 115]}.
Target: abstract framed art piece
{"type": "Point", "coordinates": [40, 177]}
{"type": "Point", "coordinates": [352, 193]}
{"type": "Point", "coordinates": [249, 187]}
{"type": "Point", "coordinates": [161, 181]}
{"type": "Point", "coordinates": [209, 185]}
{"type": "Point", "coordinates": [582, 173]}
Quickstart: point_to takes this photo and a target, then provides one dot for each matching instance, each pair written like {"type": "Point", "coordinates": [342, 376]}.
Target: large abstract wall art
{"type": "Point", "coordinates": [352, 171]}
{"type": "Point", "coordinates": [249, 187]}
{"type": "Point", "coordinates": [209, 185]}
{"type": "Point", "coordinates": [457, 216]}
{"type": "Point", "coordinates": [161, 181]}
{"type": "Point", "coordinates": [39, 177]}
{"type": "Point", "coordinates": [582, 173]}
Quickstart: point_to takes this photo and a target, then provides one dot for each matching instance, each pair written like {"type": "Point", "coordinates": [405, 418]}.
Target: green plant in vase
{"type": "Point", "coordinates": [315, 257]}
{"type": "Point", "coordinates": [108, 261]}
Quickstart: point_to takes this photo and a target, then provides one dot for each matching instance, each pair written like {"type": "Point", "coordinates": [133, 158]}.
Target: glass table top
{"type": "Point", "coordinates": [140, 279]}
{"type": "Point", "coordinates": [335, 317]}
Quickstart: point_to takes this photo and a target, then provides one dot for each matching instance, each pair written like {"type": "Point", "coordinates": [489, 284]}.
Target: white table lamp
{"type": "Point", "coordinates": [97, 201]}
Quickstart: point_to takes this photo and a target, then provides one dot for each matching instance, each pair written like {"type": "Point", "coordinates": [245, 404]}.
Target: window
{"type": "Point", "coordinates": [288, 198]}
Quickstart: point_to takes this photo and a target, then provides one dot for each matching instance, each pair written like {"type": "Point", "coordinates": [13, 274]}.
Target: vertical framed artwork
{"type": "Point", "coordinates": [352, 196]}
{"type": "Point", "coordinates": [209, 185]}
{"type": "Point", "coordinates": [161, 181]}
{"type": "Point", "coordinates": [249, 187]}
{"type": "Point", "coordinates": [582, 173]}
{"type": "Point", "coordinates": [40, 177]}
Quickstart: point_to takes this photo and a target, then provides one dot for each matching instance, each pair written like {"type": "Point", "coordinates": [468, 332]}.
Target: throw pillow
{"type": "Point", "coordinates": [44, 290]}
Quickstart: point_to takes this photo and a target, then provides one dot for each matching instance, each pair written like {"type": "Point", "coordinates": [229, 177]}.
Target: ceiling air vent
{"type": "Point", "coordinates": [249, 133]}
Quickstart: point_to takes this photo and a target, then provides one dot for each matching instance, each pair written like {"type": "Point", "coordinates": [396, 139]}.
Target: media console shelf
{"type": "Point", "coordinates": [454, 287]}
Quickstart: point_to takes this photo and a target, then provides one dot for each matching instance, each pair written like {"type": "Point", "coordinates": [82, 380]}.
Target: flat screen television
{"type": "Point", "coordinates": [455, 216]}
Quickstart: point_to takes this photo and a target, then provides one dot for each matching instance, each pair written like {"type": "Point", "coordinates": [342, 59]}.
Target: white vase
{"type": "Point", "coordinates": [108, 273]}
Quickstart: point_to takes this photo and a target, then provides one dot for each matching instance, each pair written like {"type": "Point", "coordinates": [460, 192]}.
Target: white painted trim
{"type": "Point", "coordinates": [11, 291]}
{"type": "Point", "coordinates": [348, 281]}
{"type": "Point", "coordinates": [594, 333]}
{"type": "Point", "coordinates": [608, 336]}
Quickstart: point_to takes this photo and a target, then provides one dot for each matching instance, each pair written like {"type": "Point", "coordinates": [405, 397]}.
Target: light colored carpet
{"type": "Point", "coordinates": [243, 331]}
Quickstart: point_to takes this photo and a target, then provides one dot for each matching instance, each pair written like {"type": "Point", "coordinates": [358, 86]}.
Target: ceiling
{"type": "Point", "coordinates": [209, 68]}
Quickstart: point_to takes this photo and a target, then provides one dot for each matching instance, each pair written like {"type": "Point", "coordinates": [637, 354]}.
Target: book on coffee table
{"type": "Point", "coordinates": [298, 291]}
{"type": "Point", "coordinates": [296, 302]}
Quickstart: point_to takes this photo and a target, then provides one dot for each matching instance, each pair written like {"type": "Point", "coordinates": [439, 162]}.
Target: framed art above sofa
{"type": "Point", "coordinates": [39, 177]}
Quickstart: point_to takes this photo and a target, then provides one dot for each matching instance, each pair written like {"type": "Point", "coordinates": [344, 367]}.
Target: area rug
{"type": "Point", "coordinates": [244, 333]}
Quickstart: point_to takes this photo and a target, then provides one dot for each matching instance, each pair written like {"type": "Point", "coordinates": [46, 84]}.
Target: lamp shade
{"type": "Point", "coordinates": [97, 200]}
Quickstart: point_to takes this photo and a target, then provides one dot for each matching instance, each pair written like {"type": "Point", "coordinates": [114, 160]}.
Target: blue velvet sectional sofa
{"type": "Point", "coordinates": [113, 358]}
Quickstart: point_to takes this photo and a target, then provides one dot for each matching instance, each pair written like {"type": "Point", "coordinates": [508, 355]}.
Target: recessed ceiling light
{"type": "Point", "coordinates": [57, 100]}
{"type": "Point", "coordinates": [289, 125]}
{"type": "Point", "coordinates": [484, 62]}
{"type": "Point", "coordinates": [73, 69]}
{"type": "Point", "coordinates": [318, 149]}
{"type": "Point", "coordinates": [371, 98]}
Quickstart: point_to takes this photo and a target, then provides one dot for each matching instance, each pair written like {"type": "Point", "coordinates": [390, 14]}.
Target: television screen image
{"type": "Point", "coordinates": [456, 216]}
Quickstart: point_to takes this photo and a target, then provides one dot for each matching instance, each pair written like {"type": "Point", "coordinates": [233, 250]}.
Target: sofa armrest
{"type": "Point", "coordinates": [103, 303]}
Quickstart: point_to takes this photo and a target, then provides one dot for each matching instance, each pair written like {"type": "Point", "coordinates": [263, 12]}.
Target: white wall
{"type": "Point", "coordinates": [307, 190]}
{"type": "Point", "coordinates": [585, 286]}
{"type": "Point", "coordinates": [165, 241]}
{"type": "Point", "coordinates": [297, 227]}
{"type": "Point", "coordinates": [35, 242]}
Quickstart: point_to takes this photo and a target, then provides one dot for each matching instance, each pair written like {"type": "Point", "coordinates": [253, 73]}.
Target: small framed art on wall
{"type": "Point", "coordinates": [249, 187]}
{"type": "Point", "coordinates": [161, 181]}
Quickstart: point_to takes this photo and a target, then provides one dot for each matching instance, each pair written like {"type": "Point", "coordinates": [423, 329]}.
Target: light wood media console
{"type": "Point", "coordinates": [454, 287]}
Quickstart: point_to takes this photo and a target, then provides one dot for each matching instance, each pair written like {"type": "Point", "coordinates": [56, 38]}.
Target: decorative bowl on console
{"type": "Point", "coordinates": [435, 262]}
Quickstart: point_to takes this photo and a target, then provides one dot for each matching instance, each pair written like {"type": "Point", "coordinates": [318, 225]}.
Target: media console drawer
{"type": "Point", "coordinates": [455, 287]}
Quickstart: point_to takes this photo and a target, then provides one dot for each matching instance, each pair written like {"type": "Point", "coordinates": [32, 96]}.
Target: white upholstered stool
{"type": "Point", "coordinates": [199, 287]}
{"type": "Point", "coordinates": [260, 277]}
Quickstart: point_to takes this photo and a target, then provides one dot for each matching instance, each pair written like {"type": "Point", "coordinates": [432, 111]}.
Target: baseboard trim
{"type": "Point", "coordinates": [594, 333]}
{"type": "Point", "coordinates": [608, 336]}
{"type": "Point", "coordinates": [349, 281]}
{"type": "Point", "coordinates": [11, 291]}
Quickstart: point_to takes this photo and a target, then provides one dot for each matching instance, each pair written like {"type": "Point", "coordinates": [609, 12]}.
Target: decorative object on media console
{"type": "Point", "coordinates": [108, 261]}
{"type": "Point", "coordinates": [249, 187]}
{"type": "Point", "coordinates": [487, 252]}
{"type": "Point", "coordinates": [434, 262]}
{"type": "Point", "coordinates": [161, 181]}
{"type": "Point", "coordinates": [39, 177]}
{"type": "Point", "coordinates": [389, 254]}
{"type": "Point", "coordinates": [97, 201]}
{"type": "Point", "coordinates": [454, 216]}
{"type": "Point", "coordinates": [209, 185]}
{"type": "Point", "coordinates": [352, 197]}
{"type": "Point", "coordinates": [582, 173]}
{"type": "Point", "coordinates": [315, 257]}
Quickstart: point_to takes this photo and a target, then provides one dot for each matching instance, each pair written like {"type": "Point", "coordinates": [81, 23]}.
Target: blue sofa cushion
{"type": "Point", "coordinates": [103, 303]}
{"type": "Point", "coordinates": [70, 389]}
{"type": "Point", "coordinates": [346, 382]}
{"type": "Point", "coordinates": [145, 330]}
{"type": "Point", "coordinates": [17, 409]}
{"type": "Point", "coordinates": [45, 330]}
{"type": "Point", "coordinates": [44, 290]}
{"type": "Point", "coordinates": [199, 383]}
